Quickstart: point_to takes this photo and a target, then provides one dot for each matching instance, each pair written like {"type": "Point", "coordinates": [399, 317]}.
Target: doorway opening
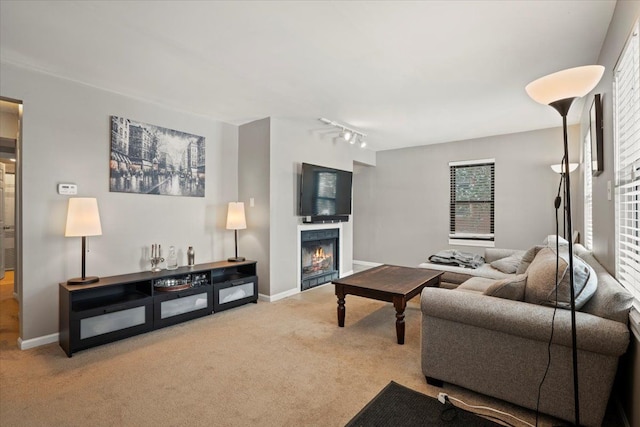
{"type": "Point", "coordinates": [10, 230]}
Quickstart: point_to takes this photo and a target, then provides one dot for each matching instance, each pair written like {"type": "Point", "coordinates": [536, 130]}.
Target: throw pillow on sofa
{"type": "Point", "coordinates": [541, 280]}
{"type": "Point", "coordinates": [550, 241]}
{"type": "Point", "coordinates": [508, 264]}
{"type": "Point", "coordinates": [512, 288]}
{"type": "Point", "coordinates": [527, 258]}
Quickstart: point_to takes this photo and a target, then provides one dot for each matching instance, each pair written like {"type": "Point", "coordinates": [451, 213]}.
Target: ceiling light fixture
{"type": "Point", "coordinates": [348, 134]}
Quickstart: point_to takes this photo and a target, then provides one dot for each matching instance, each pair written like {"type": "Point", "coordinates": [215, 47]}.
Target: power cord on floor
{"type": "Point", "coordinates": [444, 398]}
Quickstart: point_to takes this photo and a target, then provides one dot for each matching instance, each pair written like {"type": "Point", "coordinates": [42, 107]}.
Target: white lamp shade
{"type": "Point", "coordinates": [559, 168]}
{"type": "Point", "coordinates": [565, 84]}
{"type": "Point", "coordinates": [83, 218]}
{"type": "Point", "coordinates": [235, 216]}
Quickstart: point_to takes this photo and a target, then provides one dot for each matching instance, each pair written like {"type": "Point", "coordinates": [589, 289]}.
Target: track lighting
{"type": "Point", "coordinates": [346, 133]}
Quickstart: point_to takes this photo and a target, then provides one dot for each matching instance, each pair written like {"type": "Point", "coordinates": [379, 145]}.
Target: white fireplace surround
{"type": "Point", "coordinates": [310, 227]}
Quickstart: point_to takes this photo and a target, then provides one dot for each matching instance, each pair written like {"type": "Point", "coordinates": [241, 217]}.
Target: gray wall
{"type": "Point", "coordinates": [625, 15]}
{"type": "Point", "coordinates": [253, 182]}
{"type": "Point", "coordinates": [274, 171]}
{"type": "Point", "coordinates": [8, 125]}
{"type": "Point", "coordinates": [402, 204]}
{"type": "Point", "coordinates": [66, 138]}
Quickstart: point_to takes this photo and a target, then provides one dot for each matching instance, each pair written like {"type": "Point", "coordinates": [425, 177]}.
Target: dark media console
{"type": "Point", "coordinates": [122, 306]}
{"type": "Point", "coordinates": [324, 219]}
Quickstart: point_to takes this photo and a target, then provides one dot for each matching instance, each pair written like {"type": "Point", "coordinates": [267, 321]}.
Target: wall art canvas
{"type": "Point", "coordinates": [597, 135]}
{"type": "Point", "coordinates": [149, 159]}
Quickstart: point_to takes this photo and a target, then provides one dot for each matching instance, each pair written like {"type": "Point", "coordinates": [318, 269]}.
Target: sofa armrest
{"type": "Point", "coordinates": [525, 320]}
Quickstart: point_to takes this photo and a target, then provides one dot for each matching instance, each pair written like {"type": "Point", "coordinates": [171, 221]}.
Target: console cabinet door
{"type": "Point", "coordinates": [106, 324]}
{"type": "Point", "coordinates": [234, 293]}
{"type": "Point", "coordinates": [175, 307]}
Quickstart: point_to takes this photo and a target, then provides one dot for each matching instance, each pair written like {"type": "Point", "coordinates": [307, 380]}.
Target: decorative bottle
{"type": "Point", "coordinates": [172, 259]}
{"type": "Point", "coordinates": [191, 256]}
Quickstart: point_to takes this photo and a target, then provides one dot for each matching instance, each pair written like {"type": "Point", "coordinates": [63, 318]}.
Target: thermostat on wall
{"type": "Point", "coordinates": [67, 189]}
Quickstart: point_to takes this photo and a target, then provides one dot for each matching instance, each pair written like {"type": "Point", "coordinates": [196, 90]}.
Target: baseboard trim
{"type": "Point", "coordinates": [276, 297]}
{"type": "Point", "coordinates": [37, 342]}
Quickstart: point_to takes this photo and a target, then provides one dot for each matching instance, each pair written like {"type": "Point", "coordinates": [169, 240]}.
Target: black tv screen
{"type": "Point", "coordinates": [325, 191]}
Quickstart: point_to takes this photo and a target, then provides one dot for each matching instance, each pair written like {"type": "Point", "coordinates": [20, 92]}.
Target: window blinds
{"type": "Point", "coordinates": [471, 211]}
{"type": "Point", "coordinates": [626, 106]}
{"type": "Point", "coordinates": [588, 193]}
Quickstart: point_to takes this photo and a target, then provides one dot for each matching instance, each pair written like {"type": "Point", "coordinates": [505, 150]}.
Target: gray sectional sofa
{"type": "Point", "coordinates": [498, 346]}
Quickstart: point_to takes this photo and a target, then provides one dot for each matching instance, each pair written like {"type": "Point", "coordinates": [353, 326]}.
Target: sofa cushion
{"type": "Point", "coordinates": [494, 254]}
{"type": "Point", "coordinates": [512, 288]}
{"type": "Point", "coordinates": [527, 258]}
{"type": "Point", "coordinates": [541, 286]}
{"type": "Point", "coordinates": [476, 284]}
{"type": "Point", "coordinates": [508, 264]}
{"type": "Point", "coordinates": [485, 270]}
{"type": "Point", "coordinates": [611, 300]}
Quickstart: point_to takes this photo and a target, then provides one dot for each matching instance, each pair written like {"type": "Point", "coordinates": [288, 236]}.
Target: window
{"type": "Point", "coordinates": [626, 116]}
{"type": "Point", "coordinates": [588, 193]}
{"type": "Point", "coordinates": [471, 213]}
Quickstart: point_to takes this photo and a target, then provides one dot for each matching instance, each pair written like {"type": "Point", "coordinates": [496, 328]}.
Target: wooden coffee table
{"type": "Point", "coordinates": [389, 283]}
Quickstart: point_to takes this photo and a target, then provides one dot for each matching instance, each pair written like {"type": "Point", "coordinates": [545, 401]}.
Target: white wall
{"type": "Point", "coordinates": [402, 204]}
{"type": "Point", "coordinates": [66, 138]}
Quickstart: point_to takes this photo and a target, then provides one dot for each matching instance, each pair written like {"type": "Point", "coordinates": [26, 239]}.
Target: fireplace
{"type": "Point", "coordinates": [318, 257]}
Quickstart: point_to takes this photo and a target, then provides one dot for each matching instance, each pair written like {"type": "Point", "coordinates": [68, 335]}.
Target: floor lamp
{"type": "Point", "coordinates": [559, 169]}
{"type": "Point", "coordinates": [559, 90]}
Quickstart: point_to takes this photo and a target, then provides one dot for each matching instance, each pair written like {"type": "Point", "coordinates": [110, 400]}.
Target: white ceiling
{"type": "Point", "coordinates": [405, 73]}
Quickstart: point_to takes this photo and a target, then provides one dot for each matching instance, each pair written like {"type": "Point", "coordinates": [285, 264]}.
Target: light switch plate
{"type": "Point", "coordinates": [67, 189]}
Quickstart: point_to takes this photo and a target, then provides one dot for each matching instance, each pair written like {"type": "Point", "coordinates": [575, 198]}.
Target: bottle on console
{"type": "Point", "coordinates": [191, 256]}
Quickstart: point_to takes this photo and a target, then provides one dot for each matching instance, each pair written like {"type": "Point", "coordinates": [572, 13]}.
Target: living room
{"type": "Point", "coordinates": [400, 197]}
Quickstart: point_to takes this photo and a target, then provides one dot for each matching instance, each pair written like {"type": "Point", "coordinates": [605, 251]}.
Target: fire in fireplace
{"type": "Point", "coordinates": [319, 257]}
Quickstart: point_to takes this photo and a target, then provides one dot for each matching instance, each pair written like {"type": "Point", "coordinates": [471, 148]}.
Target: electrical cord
{"type": "Point", "coordinates": [556, 203]}
{"type": "Point", "coordinates": [483, 408]}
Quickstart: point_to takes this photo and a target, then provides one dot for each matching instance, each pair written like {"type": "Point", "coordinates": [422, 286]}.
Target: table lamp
{"type": "Point", "coordinates": [83, 219]}
{"type": "Point", "coordinates": [236, 221]}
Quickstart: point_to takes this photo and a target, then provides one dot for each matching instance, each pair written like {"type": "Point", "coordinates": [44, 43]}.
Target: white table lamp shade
{"type": "Point", "coordinates": [559, 168]}
{"type": "Point", "coordinates": [235, 216]}
{"type": "Point", "coordinates": [571, 83]}
{"type": "Point", "coordinates": [83, 218]}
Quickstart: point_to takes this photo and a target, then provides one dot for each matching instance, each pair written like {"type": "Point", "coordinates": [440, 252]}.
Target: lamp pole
{"type": "Point", "coordinates": [562, 106]}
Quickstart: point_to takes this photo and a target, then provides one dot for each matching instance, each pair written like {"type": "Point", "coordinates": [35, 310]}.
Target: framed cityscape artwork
{"type": "Point", "coordinates": [148, 159]}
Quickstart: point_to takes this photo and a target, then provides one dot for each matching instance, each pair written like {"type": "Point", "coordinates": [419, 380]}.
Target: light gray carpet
{"type": "Point", "coordinates": [285, 363]}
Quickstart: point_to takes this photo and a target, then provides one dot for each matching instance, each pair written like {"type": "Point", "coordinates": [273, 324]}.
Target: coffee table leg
{"type": "Point", "coordinates": [341, 309]}
{"type": "Point", "coordinates": [400, 304]}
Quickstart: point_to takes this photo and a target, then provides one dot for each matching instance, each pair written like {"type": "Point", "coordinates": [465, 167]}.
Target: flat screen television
{"type": "Point", "coordinates": [325, 192]}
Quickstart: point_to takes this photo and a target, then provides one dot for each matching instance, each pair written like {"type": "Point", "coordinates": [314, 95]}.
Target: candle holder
{"type": "Point", "coordinates": [156, 257]}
